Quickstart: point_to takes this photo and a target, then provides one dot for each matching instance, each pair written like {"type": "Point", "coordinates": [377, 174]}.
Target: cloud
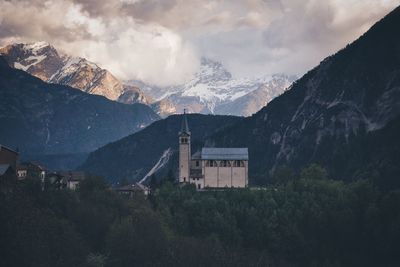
{"type": "Point", "coordinates": [131, 50]}
{"type": "Point", "coordinates": [161, 41]}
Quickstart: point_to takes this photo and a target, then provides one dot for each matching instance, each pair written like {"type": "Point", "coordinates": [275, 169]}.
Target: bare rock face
{"type": "Point", "coordinates": [39, 59]}
{"type": "Point", "coordinates": [164, 108]}
{"type": "Point", "coordinates": [132, 94]}
{"type": "Point", "coordinates": [43, 61]}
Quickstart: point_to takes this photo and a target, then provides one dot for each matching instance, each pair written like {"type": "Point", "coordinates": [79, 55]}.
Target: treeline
{"type": "Point", "coordinates": [95, 226]}
{"type": "Point", "coordinates": [307, 220]}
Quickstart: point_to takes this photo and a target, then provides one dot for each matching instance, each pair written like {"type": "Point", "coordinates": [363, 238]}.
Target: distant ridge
{"type": "Point", "coordinates": [42, 118]}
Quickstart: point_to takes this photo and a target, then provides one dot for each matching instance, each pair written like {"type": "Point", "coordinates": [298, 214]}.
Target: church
{"type": "Point", "coordinates": [211, 167]}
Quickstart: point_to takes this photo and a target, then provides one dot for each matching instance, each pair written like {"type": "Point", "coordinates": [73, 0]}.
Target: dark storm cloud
{"type": "Point", "coordinates": [165, 37]}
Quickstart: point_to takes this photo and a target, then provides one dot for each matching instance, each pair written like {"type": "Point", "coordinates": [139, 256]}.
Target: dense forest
{"type": "Point", "coordinates": [303, 219]}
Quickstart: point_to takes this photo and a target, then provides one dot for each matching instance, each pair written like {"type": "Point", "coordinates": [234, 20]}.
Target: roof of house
{"type": "Point", "coordinates": [31, 165]}
{"type": "Point", "coordinates": [73, 175]}
{"type": "Point", "coordinates": [129, 187]}
{"type": "Point", "coordinates": [7, 148]}
{"type": "Point", "coordinates": [141, 187]}
{"type": "Point", "coordinates": [4, 168]}
{"type": "Point", "coordinates": [215, 153]}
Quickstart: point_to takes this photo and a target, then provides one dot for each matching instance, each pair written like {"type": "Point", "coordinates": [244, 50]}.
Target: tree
{"type": "Point", "coordinates": [171, 176]}
{"type": "Point", "coordinates": [315, 172]}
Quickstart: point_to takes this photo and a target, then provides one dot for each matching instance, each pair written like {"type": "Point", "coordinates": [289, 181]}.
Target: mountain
{"type": "Point", "coordinates": [152, 150]}
{"type": "Point", "coordinates": [45, 62]}
{"type": "Point", "coordinates": [41, 118]}
{"type": "Point", "coordinates": [347, 98]}
{"type": "Point", "coordinates": [253, 101]}
{"type": "Point", "coordinates": [344, 114]}
{"type": "Point", "coordinates": [212, 90]}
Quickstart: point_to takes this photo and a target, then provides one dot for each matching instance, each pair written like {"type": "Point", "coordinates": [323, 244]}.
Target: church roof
{"type": "Point", "coordinates": [215, 153]}
{"type": "Point", "coordinates": [196, 155]}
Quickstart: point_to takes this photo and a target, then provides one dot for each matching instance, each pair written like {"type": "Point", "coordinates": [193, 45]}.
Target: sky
{"type": "Point", "coordinates": [162, 41]}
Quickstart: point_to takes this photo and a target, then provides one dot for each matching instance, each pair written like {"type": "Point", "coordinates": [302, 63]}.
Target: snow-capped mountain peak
{"type": "Point", "coordinates": [212, 71]}
{"type": "Point", "coordinates": [35, 47]}
{"type": "Point", "coordinates": [212, 89]}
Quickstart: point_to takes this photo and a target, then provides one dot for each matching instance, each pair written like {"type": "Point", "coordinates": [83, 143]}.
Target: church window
{"type": "Point", "coordinates": [238, 163]}
{"type": "Point", "coordinates": [211, 163]}
{"type": "Point", "coordinates": [184, 179]}
{"type": "Point", "coordinates": [199, 186]}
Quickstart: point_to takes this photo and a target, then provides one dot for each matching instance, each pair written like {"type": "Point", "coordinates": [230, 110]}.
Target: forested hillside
{"type": "Point", "coordinates": [307, 221]}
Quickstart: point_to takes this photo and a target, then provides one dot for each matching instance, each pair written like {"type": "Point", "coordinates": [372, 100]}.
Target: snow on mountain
{"type": "Point", "coordinates": [213, 90]}
{"type": "Point", "coordinates": [39, 59]}
{"type": "Point", "coordinates": [45, 62]}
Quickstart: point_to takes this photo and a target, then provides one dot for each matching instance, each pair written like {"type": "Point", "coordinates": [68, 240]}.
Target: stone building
{"type": "Point", "coordinates": [211, 167]}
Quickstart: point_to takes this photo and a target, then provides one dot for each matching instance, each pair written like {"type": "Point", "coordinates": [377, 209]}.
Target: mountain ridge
{"type": "Point", "coordinates": [347, 98]}
{"type": "Point", "coordinates": [210, 91]}
{"type": "Point", "coordinates": [43, 61]}
{"type": "Point", "coordinates": [42, 118]}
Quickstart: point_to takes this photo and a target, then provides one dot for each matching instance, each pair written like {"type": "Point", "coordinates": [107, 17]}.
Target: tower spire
{"type": "Point", "coordinates": [184, 127]}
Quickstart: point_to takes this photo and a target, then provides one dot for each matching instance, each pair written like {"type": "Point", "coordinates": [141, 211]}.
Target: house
{"type": "Point", "coordinates": [8, 156]}
{"type": "Point", "coordinates": [73, 178]}
{"type": "Point", "coordinates": [211, 167]}
{"type": "Point", "coordinates": [31, 170]}
{"type": "Point", "coordinates": [56, 180]}
{"type": "Point", "coordinates": [142, 188]}
{"type": "Point", "coordinates": [132, 190]}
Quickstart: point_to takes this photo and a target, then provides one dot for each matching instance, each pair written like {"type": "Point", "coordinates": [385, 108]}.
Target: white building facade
{"type": "Point", "coordinates": [211, 167]}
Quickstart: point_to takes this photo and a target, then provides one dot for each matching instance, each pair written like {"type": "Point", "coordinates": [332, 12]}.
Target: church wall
{"type": "Point", "coordinates": [225, 175]}
{"type": "Point", "coordinates": [238, 176]}
{"type": "Point", "coordinates": [211, 176]}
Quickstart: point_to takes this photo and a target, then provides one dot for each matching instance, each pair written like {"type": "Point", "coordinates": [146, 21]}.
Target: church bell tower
{"type": "Point", "coordinates": [184, 151]}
